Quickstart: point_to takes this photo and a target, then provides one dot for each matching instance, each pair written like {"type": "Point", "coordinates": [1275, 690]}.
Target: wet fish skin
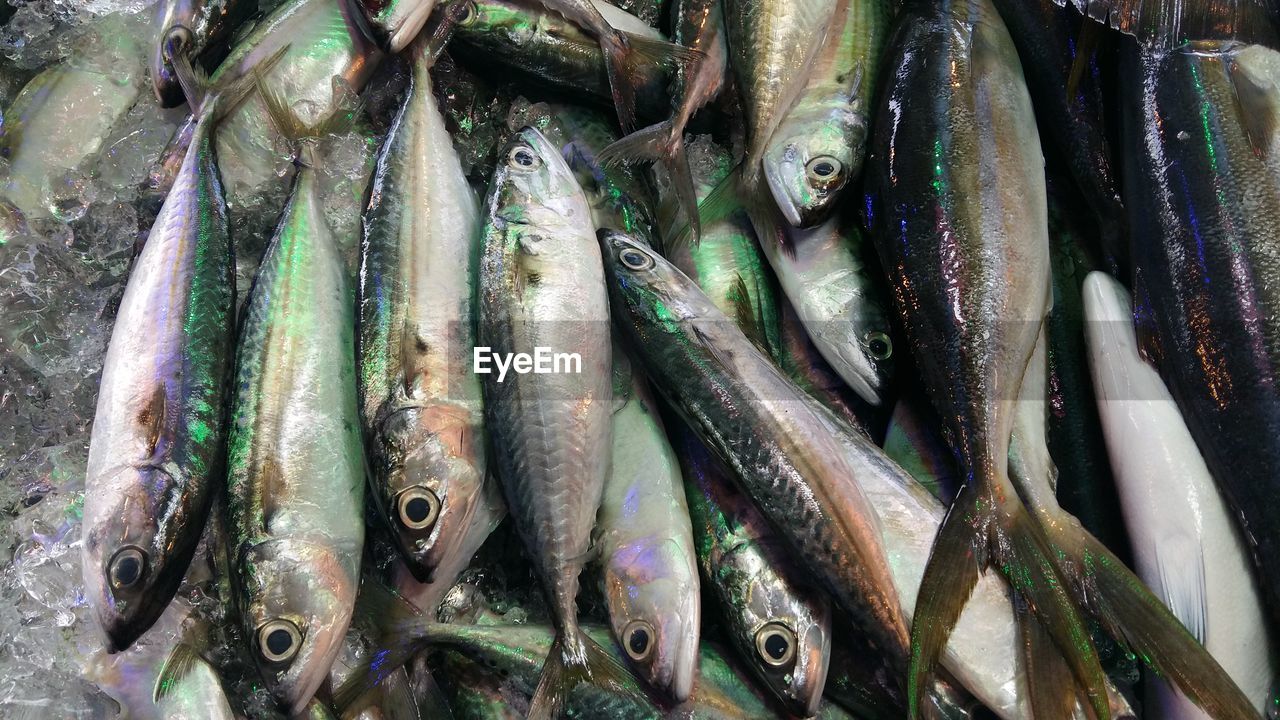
{"type": "Point", "coordinates": [421, 402]}
{"type": "Point", "coordinates": [1048, 40]}
{"type": "Point", "coordinates": [541, 286]}
{"type": "Point", "coordinates": [549, 49]}
{"type": "Point", "coordinates": [774, 437]}
{"type": "Point", "coordinates": [1187, 547]}
{"type": "Point", "coordinates": [1199, 124]}
{"type": "Point", "coordinates": [772, 44]}
{"type": "Point", "coordinates": [746, 567]}
{"type": "Point", "coordinates": [295, 462]}
{"type": "Point", "coordinates": [819, 146]}
{"type": "Point", "coordinates": [155, 453]}
{"type": "Point", "coordinates": [840, 300]}
{"type": "Point", "coordinates": [206, 23]}
{"type": "Point", "coordinates": [645, 543]}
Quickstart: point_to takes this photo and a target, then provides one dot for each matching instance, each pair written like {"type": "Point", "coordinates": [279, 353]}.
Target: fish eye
{"type": "Point", "coordinates": [522, 158]}
{"type": "Point", "coordinates": [825, 171]}
{"type": "Point", "coordinates": [467, 13]}
{"type": "Point", "coordinates": [635, 259]}
{"type": "Point", "coordinates": [637, 640]}
{"type": "Point", "coordinates": [879, 345]}
{"type": "Point", "coordinates": [418, 508]}
{"type": "Point", "coordinates": [279, 641]}
{"type": "Point", "coordinates": [776, 644]}
{"type": "Point", "coordinates": [176, 41]}
{"type": "Point", "coordinates": [127, 567]}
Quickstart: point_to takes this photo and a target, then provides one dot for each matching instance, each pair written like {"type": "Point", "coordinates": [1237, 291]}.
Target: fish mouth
{"type": "Point", "coordinates": [401, 28]}
{"type": "Point", "coordinates": [781, 195]}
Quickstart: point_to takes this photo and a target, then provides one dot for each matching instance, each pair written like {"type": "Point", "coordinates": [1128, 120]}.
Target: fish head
{"type": "Point", "coordinates": [535, 189]}
{"type": "Point", "coordinates": [428, 479]}
{"type": "Point", "coordinates": [783, 628]}
{"type": "Point", "coordinates": [648, 290]}
{"type": "Point", "coordinates": [811, 159]}
{"type": "Point", "coordinates": [134, 554]}
{"type": "Point", "coordinates": [298, 597]}
{"type": "Point", "coordinates": [654, 613]}
{"type": "Point", "coordinates": [394, 23]}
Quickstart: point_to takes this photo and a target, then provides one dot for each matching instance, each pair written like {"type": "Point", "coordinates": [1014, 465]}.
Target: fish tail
{"type": "Point", "coordinates": [403, 631]}
{"type": "Point", "coordinates": [201, 95]}
{"type": "Point", "coordinates": [1052, 689]}
{"type": "Point", "coordinates": [663, 143]}
{"type": "Point", "coordinates": [957, 558]}
{"type": "Point", "coordinates": [725, 199]}
{"type": "Point", "coordinates": [1030, 564]}
{"type": "Point", "coordinates": [302, 136]}
{"type": "Point", "coordinates": [1133, 615]}
{"type": "Point", "coordinates": [627, 57]}
{"type": "Point", "coordinates": [435, 36]}
{"type": "Point", "coordinates": [575, 659]}
{"type": "Point", "coordinates": [975, 532]}
{"type": "Point", "coordinates": [183, 658]}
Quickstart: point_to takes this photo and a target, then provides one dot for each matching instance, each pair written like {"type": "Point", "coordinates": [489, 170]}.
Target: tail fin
{"type": "Point", "coordinates": [182, 659]}
{"type": "Point", "coordinates": [1052, 689]}
{"type": "Point", "coordinates": [661, 143]}
{"type": "Point", "coordinates": [1131, 614]}
{"type": "Point", "coordinates": [201, 96]}
{"type": "Point", "coordinates": [575, 659]}
{"type": "Point", "coordinates": [403, 631]}
{"type": "Point", "coordinates": [973, 533]}
{"type": "Point", "coordinates": [303, 136]}
{"type": "Point", "coordinates": [626, 59]}
{"type": "Point", "coordinates": [725, 199]}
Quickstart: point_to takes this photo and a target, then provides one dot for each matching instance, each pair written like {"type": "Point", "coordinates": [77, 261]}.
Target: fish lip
{"type": "Point", "coordinates": [781, 198]}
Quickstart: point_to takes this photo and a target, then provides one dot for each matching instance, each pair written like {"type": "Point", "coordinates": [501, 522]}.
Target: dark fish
{"type": "Point", "coordinates": [1204, 199]}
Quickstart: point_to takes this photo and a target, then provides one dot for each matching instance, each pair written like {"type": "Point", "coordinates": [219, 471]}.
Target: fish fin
{"type": "Point", "coordinates": [661, 143]}
{"type": "Point", "coordinates": [401, 626]}
{"type": "Point", "coordinates": [724, 200]}
{"type": "Point", "coordinates": [151, 420]}
{"type": "Point", "coordinates": [1252, 98]}
{"type": "Point", "coordinates": [428, 697]}
{"type": "Point", "coordinates": [745, 314]}
{"type": "Point", "coordinates": [182, 659]}
{"type": "Point", "coordinates": [1086, 46]}
{"type": "Point", "coordinates": [302, 136]}
{"type": "Point", "coordinates": [1137, 618]}
{"type": "Point", "coordinates": [626, 56]}
{"type": "Point", "coordinates": [1031, 568]}
{"type": "Point", "coordinates": [1165, 23]}
{"type": "Point", "coordinates": [203, 97]}
{"type": "Point", "coordinates": [1051, 689]}
{"type": "Point", "coordinates": [431, 42]}
{"type": "Point", "coordinates": [571, 663]}
{"type": "Point", "coordinates": [1181, 567]}
{"type": "Point", "coordinates": [956, 560]}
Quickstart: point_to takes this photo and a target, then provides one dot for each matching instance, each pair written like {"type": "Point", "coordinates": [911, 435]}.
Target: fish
{"type": "Point", "coordinates": [698, 25]}
{"type": "Point", "coordinates": [541, 286]}
{"type": "Point", "coordinates": [1186, 546]}
{"type": "Point", "coordinates": [157, 444]}
{"type": "Point", "coordinates": [956, 200]}
{"type": "Point", "coordinates": [773, 47]}
{"type": "Point", "coordinates": [321, 41]}
{"type": "Point", "coordinates": [840, 300]}
{"type": "Point", "coordinates": [723, 691]}
{"type": "Point", "coordinates": [650, 11]}
{"type": "Point", "coordinates": [1164, 25]}
{"type": "Point", "coordinates": [204, 25]}
{"type": "Point", "coordinates": [551, 50]}
{"type": "Point", "coordinates": [645, 543]}
{"type": "Point", "coordinates": [800, 360]}
{"type": "Point", "coordinates": [1097, 580]}
{"type": "Point", "coordinates": [421, 404]}
{"type": "Point", "coordinates": [776, 439]}
{"type": "Point", "coordinates": [393, 24]}
{"type": "Point", "coordinates": [1055, 50]}
{"type": "Point", "coordinates": [618, 47]}
{"type": "Point", "coordinates": [295, 460]}
{"type": "Point", "coordinates": [819, 146]}
{"type": "Point", "coordinates": [63, 116]}
{"type": "Point", "coordinates": [726, 262]}
{"type": "Point", "coordinates": [1203, 197]}
{"type": "Point", "coordinates": [620, 197]}
{"type": "Point", "coordinates": [779, 625]}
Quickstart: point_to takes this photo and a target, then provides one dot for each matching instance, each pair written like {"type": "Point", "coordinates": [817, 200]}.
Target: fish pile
{"type": "Point", "coordinates": [661, 358]}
